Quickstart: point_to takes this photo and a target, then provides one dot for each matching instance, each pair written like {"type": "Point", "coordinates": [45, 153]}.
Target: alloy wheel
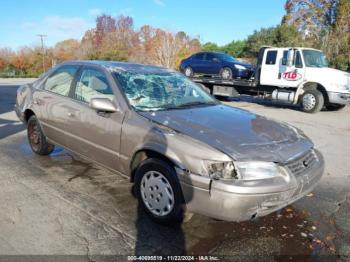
{"type": "Point", "coordinates": [188, 71]}
{"type": "Point", "coordinates": [226, 73]}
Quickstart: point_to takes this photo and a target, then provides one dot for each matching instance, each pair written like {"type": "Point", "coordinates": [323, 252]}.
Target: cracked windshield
{"type": "Point", "coordinates": [162, 91]}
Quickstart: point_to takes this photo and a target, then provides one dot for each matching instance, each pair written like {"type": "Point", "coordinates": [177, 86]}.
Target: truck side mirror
{"type": "Point", "coordinates": [290, 57]}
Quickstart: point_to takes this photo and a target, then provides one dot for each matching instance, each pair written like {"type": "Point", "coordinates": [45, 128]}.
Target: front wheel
{"type": "Point", "coordinates": [188, 71]}
{"type": "Point", "coordinates": [159, 192]}
{"type": "Point", "coordinates": [37, 139]}
{"type": "Point", "coordinates": [312, 101]}
{"type": "Point", "coordinates": [226, 73]}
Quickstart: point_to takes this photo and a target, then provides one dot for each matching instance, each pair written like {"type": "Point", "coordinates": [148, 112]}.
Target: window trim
{"type": "Point", "coordinates": [53, 72]}
{"type": "Point", "coordinates": [77, 78]}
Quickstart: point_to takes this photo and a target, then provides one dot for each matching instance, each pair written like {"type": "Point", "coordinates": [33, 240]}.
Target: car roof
{"type": "Point", "coordinates": [210, 52]}
{"type": "Point", "coordinates": [117, 66]}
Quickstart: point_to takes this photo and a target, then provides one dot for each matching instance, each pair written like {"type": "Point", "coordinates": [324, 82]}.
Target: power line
{"type": "Point", "coordinates": [42, 36]}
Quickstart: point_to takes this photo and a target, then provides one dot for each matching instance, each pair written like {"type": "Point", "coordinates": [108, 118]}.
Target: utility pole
{"type": "Point", "coordinates": [42, 48]}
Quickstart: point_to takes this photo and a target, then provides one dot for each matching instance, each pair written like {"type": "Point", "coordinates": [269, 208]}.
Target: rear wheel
{"type": "Point", "coordinates": [226, 73]}
{"type": "Point", "coordinates": [312, 101]}
{"type": "Point", "coordinates": [188, 71]}
{"type": "Point", "coordinates": [37, 139]}
{"type": "Point", "coordinates": [334, 107]}
{"type": "Point", "coordinates": [158, 191]}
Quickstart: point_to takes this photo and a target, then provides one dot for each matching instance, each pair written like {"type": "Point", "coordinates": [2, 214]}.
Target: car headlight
{"type": "Point", "coordinates": [240, 67]}
{"type": "Point", "coordinates": [256, 170]}
{"type": "Point", "coordinates": [220, 170]}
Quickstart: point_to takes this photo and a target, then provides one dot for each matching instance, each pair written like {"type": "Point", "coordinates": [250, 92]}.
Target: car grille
{"type": "Point", "coordinates": [301, 164]}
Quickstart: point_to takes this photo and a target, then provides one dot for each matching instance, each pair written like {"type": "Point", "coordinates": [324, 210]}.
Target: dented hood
{"type": "Point", "coordinates": [238, 133]}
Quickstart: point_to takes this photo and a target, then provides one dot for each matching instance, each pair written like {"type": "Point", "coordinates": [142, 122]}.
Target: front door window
{"type": "Point", "coordinates": [92, 84]}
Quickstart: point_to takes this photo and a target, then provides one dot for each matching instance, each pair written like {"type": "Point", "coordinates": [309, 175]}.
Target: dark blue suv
{"type": "Point", "coordinates": [215, 64]}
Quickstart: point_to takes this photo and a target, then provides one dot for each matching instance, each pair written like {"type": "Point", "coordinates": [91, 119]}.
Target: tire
{"type": "Point", "coordinates": [226, 73]}
{"type": "Point", "coordinates": [37, 139]}
{"type": "Point", "coordinates": [334, 107]}
{"type": "Point", "coordinates": [188, 71]}
{"type": "Point", "coordinates": [156, 180]}
{"type": "Point", "coordinates": [312, 101]}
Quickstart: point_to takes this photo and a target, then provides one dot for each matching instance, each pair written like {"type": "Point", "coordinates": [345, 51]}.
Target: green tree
{"type": "Point", "coordinates": [338, 49]}
{"type": "Point", "coordinates": [210, 46]}
{"type": "Point", "coordinates": [235, 48]}
{"type": "Point", "coordinates": [279, 36]}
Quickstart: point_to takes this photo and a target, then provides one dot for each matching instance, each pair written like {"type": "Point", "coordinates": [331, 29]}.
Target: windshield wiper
{"type": "Point", "coordinates": [148, 108]}
{"type": "Point", "coordinates": [196, 103]}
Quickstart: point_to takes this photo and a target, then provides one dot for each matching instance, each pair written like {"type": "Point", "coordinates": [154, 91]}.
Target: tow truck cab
{"type": "Point", "coordinates": [293, 74]}
{"type": "Point", "coordinates": [302, 75]}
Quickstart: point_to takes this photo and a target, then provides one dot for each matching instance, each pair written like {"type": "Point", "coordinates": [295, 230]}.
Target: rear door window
{"type": "Point", "coordinates": [92, 83]}
{"type": "Point", "coordinates": [199, 56]}
{"type": "Point", "coordinates": [271, 57]}
{"type": "Point", "coordinates": [60, 81]}
{"type": "Point", "coordinates": [209, 57]}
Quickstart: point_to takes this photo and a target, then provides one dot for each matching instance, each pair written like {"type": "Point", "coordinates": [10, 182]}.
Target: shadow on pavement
{"type": "Point", "coordinates": [7, 101]}
{"type": "Point", "coordinates": [263, 102]}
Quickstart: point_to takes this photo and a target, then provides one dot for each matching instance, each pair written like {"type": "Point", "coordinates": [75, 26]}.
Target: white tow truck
{"type": "Point", "coordinates": [296, 75]}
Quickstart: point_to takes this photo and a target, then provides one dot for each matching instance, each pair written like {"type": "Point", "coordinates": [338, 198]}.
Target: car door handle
{"type": "Point", "coordinates": [70, 114]}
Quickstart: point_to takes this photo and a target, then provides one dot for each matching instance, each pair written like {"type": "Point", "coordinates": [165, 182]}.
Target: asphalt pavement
{"type": "Point", "coordinates": [63, 205]}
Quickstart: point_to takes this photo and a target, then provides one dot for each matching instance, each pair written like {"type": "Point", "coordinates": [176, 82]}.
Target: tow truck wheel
{"type": "Point", "coordinates": [188, 71]}
{"type": "Point", "coordinates": [312, 101]}
{"type": "Point", "coordinates": [334, 107]}
{"type": "Point", "coordinates": [226, 73]}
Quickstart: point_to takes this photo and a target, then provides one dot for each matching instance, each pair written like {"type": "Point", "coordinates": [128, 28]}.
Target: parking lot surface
{"type": "Point", "coordinates": [63, 205]}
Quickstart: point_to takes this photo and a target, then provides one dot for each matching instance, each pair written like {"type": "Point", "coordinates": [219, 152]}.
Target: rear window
{"type": "Point", "coordinates": [271, 57]}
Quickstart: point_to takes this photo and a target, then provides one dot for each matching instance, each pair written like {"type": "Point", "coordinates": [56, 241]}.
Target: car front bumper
{"type": "Point", "coordinates": [339, 98]}
{"type": "Point", "coordinates": [215, 199]}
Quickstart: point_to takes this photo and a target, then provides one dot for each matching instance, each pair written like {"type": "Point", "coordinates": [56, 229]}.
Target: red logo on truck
{"type": "Point", "coordinates": [291, 76]}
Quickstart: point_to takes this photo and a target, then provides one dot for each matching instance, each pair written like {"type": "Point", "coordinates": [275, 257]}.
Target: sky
{"type": "Point", "coordinates": [219, 21]}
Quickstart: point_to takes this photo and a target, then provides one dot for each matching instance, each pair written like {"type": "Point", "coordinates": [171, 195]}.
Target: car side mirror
{"type": "Point", "coordinates": [103, 105]}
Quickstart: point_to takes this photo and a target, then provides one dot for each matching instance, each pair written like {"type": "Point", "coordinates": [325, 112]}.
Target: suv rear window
{"type": "Point", "coordinates": [271, 57]}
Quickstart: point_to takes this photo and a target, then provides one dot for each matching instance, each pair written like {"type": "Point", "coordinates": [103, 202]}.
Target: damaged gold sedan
{"type": "Point", "coordinates": [180, 147]}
